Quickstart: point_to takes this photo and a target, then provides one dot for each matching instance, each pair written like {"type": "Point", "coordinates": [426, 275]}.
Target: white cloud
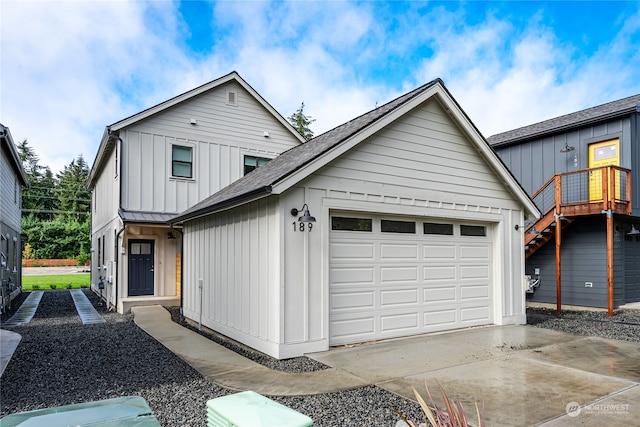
{"type": "Point", "coordinates": [71, 68]}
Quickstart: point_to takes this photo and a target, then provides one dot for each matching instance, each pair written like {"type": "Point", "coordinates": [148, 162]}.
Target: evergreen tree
{"type": "Point", "coordinates": [301, 122]}
{"type": "Point", "coordinates": [71, 192]}
{"type": "Point", "coordinates": [39, 198]}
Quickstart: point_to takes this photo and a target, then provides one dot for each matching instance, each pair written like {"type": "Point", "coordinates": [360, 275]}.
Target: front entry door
{"type": "Point", "coordinates": [141, 267]}
{"type": "Point", "coordinates": [601, 154]}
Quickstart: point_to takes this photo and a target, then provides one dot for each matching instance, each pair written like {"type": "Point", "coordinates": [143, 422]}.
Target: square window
{"type": "Point", "coordinates": [473, 230]}
{"type": "Point", "coordinates": [388, 226]}
{"type": "Point", "coordinates": [252, 162]}
{"type": "Point", "coordinates": [181, 161]}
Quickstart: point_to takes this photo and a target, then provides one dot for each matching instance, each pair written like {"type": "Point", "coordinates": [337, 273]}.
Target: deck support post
{"type": "Point", "coordinates": [558, 263]}
{"type": "Point", "coordinates": [609, 262]}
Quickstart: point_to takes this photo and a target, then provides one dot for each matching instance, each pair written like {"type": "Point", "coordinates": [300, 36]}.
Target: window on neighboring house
{"type": "Point", "coordinates": [99, 252]}
{"type": "Point", "coordinates": [252, 162]}
{"type": "Point", "coordinates": [15, 192]}
{"type": "Point", "coordinates": [181, 161]}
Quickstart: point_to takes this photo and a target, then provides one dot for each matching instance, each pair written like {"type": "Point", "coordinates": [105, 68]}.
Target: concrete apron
{"type": "Point", "coordinates": [525, 375]}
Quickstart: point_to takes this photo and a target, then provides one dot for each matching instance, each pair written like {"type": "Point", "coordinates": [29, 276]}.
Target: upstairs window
{"type": "Point", "coordinates": [181, 161]}
{"type": "Point", "coordinates": [252, 162]}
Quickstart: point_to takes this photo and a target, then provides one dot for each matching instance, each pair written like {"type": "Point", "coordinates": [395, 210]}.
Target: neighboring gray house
{"type": "Point", "coordinates": [12, 180]}
{"type": "Point", "coordinates": [399, 222]}
{"type": "Point", "coordinates": [583, 169]}
{"type": "Point", "coordinates": [161, 161]}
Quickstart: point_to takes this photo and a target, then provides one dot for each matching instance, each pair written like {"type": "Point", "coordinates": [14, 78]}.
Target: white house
{"type": "Point", "coordinates": [418, 228]}
{"type": "Point", "coordinates": [12, 180]}
{"type": "Point", "coordinates": [161, 161]}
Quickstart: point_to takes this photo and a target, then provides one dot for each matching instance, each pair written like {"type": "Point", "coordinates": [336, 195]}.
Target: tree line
{"type": "Point", "coordinates": [55, 209]}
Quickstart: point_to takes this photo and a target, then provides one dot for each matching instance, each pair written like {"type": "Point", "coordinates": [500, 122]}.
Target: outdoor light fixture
{"type": "Point", "coordinates": [634, 231]}
{"type": "Point", "coordinates": [170, 236]}
{"type": "Point", "coordinates": [306, 216]}
{"type": "Point", "coordinates": [567, 148]}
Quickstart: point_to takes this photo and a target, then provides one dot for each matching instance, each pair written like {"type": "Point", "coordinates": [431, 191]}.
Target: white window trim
{"type": "Point", "coordinates": [170, 162]}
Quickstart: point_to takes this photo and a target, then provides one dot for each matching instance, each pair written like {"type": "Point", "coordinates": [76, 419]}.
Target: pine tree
{"type": "Point", "coordinates": [301, 122]}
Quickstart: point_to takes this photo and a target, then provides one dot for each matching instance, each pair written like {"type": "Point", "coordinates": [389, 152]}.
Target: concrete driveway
{"type": "Point", "coordinates": [525, 375]}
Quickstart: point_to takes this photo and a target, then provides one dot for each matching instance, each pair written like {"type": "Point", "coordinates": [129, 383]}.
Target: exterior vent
{"type": "Point", "coordinates": [232, 99]}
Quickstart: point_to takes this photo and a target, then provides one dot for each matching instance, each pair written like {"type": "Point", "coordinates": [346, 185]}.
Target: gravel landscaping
{"type": "Point", "coordinates": [60, 361]}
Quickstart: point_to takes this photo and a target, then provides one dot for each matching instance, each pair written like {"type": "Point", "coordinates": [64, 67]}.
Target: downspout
{"type": "Point", "coordinates": [181, 269]}
{"type": "Point", "coordinates": [116, 256]}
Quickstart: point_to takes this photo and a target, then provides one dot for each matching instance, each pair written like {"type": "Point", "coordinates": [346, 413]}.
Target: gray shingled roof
{"type": "Point", "coordinates": [581, 118]}
{"type": "Point", "coordinates": [260, 180]}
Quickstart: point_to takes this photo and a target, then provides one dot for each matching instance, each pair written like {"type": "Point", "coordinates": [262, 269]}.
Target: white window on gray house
{"type": "Point", "coordinates": [181, 161]}
{"type": "Point", "coordinates": [252, 162]}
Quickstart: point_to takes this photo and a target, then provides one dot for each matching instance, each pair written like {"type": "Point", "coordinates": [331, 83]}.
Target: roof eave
{"type": "Point", "coordinates": [224, 205]}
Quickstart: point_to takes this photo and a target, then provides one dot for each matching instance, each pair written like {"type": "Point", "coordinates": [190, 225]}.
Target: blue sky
{"type": "Point", "coordinates": [70, 68]}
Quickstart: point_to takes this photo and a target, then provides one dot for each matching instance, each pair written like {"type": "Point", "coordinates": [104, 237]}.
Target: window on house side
{"type": "Point", "coordinates": [181, 161]}
{"type": "Point", "coordinates": [252, 162]}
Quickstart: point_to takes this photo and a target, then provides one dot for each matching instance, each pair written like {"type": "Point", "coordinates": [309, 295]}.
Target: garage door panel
{"type": "Point", "coordinates": [352, 275]}
{"type": "Point", "coordinates": [474, 252]}
{"type": "Point", "coordinates": [399, 274]}
{"type": "Point", "coordinates": [443, 272]}
{"type": "Point", "coordinates": [389, 251]}
{"type": "Point", "coordinates": [406, 323]}
{"type": "Point", "coordinates": [439, 294]}
{"type": "Point", "coordinates": [395, 297]}
{"type": "Point", "coordinates": [352, 251]}
{"type": "Point", "coordinates": [442, 317]}
{"type": "Point", "coordinates": [474, 291]}
{"type": "Point", "coordinates": [474, 272]}
{"type": "Point", "coordinates": [344, 330]}
{"type": "Point", "coordinates": [439, 252]}
{"type": "Point", "coordinates": [352, 300]}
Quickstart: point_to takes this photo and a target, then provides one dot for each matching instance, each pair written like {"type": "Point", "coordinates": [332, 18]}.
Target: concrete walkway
{"type": "Point", "coordinates": [228, 369]}
{"type": "Point", "coordinates": [525, 375]}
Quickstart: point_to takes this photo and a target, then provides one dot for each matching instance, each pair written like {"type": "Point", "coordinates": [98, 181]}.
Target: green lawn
{"type": "Point", "coordinates": [60, 281]}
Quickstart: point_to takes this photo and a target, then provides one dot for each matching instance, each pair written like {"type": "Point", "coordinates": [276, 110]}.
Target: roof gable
{"type": "Point", "coordinates": [563, 123]}
{"type": "Point", "coordinates": [14, 158]}
{"type": "Point", "coordinates": [110, 134]}
{"type": "Point", "coordinates": [299, 162]}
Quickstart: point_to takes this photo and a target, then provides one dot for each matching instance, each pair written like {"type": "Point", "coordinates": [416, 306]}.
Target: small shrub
{"type": "Point", "coordinates": [69, 286]}
{"type": "Point", "coordinates": [53, 286]}
{"type": "Point", "coordinates": [35, 287]}
{"type": "Point", "coordinates": [452, 415]}
{"type": "Point", "coordinates": [84, 286]}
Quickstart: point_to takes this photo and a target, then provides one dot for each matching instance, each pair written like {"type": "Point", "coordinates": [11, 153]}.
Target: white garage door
{"type": "Point", "coordinates": [393, 277]}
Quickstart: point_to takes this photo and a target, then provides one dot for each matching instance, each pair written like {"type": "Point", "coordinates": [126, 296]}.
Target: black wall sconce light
{"type": "Point", "coordinates": [306, 216]}
{"type": "Point", "coordinates": [170, 236]}
{"type": "Point", "coordinates": [634, 231]}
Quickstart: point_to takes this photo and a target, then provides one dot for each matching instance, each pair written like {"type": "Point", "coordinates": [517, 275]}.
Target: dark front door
{"type": "Point", "coordinates": [140, 267]}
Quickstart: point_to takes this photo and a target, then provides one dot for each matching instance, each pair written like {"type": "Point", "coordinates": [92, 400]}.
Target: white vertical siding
{"type": "Point", "coordinates": [220, 139]}
{"type": "Point", "coordinates": [236, 254]}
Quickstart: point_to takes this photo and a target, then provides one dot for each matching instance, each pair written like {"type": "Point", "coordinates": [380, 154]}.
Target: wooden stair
{"type": "Point", "coordinates": [546, 231]}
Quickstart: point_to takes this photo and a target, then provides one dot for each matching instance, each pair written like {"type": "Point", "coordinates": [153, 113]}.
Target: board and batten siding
{"type": "Point", "coordinates": [236, 254]}
{"type": "Point", "coordinates": [536, 161]}
{"type": "Point", "coordinates": [583, 259]}
{"type": "Point", "coordinates": [222, 136]}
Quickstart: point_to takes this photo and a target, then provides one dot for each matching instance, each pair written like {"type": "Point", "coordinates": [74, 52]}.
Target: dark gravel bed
{"type": "Point", "coordinates": [60, 361]}
{"type": "Point", "coordinates": [294, 365]}
{"type": "Point", "coordinates": [623, 325]}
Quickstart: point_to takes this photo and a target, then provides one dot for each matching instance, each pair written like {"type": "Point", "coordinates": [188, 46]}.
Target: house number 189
{"type": "Point", "coordinates": [299, 226]}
